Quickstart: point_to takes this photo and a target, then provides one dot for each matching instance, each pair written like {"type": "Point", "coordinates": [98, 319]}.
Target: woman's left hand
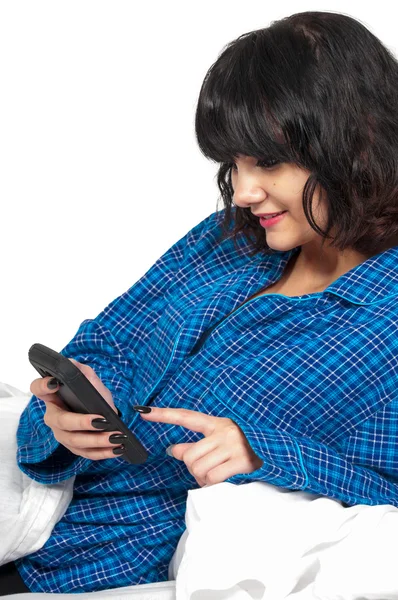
{"type": "Point", "coordinates": [223, 452]}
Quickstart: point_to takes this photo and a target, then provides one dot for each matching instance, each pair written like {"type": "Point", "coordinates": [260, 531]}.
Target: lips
{"type": "Point", "coordinates": [263, 215]}
{"type": "Point", "coordinates": [270, 215]}
{"type": "Point", "coordinates": [272, 220]}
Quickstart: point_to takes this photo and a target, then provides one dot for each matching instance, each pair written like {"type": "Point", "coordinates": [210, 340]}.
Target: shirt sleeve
{"type": "Point", "coordinates": [363, 469]}
{"type": "Point", "coordinates": [109, 345]}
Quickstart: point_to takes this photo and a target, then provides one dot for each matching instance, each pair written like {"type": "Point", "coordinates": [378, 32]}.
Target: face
{"type": "Point", "coordinates": [270, 189]}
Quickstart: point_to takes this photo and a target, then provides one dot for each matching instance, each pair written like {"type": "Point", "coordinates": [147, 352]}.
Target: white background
{"type": "Point", "coordinates": [100, 169]}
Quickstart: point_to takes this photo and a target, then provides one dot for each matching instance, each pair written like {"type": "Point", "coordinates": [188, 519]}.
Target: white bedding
{"type": "Point", "coordinates": [260, 541]}
{"type": "Point", "coordinates": [253, 541]}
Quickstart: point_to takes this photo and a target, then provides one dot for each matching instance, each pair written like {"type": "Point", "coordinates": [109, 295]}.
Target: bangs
{"type": "Point", "coordinates": [234, 115]}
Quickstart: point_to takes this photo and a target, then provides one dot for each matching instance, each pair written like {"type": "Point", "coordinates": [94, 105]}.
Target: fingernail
{"type": "Point", "coordinates": [100, 423]}
{"type": "Point", "coordinates": [116, 437]}
{"type": "Point", "coordinates": [168, 450]}
{"type": "Point", "coordinates": [142, 409]}
{"type": "Point", "coordinates": [119, 450]}
{"type": "Point", "coordinates": [52, 383]}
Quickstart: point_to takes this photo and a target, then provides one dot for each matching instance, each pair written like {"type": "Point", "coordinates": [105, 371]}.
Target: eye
{"type": "Point", "coordinates": [267, 163]}
{"type": "Point", "coordinates": [261, 163]}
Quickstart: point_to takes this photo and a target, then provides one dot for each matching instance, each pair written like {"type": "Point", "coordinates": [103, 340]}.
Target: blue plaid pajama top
{"type": "Point", "coordinates": [311, 380]}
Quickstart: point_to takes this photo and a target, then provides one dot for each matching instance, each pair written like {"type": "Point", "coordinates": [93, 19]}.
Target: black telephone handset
{"type": "Point", "coordinates": [80, 396]}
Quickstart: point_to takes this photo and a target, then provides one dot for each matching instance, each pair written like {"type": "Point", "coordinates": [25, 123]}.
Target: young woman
{"type": "Point", "coordinates": [257, 348]}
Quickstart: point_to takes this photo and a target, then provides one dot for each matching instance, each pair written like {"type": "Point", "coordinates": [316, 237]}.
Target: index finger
{"type": "Point", "coordinates": [61, 418]}
{"type": "Point", "coordinates": [58, 413]}
{"type": "Point", "coordinates": [190, 419]}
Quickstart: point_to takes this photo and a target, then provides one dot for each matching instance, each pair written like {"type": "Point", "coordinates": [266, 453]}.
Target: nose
{"type": "Point", "coordinates": [248, 193]}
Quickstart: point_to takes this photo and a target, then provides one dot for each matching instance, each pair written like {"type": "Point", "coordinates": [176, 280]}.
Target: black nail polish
{"type": "Point", "coordinates": [100, 423]}
{"type": "Point", "coordinates": [117, 437]}
{"type": "Point", "coordinates": [119, 450]}
{"type": "Point", "coordinates": [142, 409]}
{"type": "Point", "coordinates": [52, 383]}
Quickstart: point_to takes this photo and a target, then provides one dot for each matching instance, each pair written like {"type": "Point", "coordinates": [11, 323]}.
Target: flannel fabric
{"type": "Point", "coordinates": [311, 380]}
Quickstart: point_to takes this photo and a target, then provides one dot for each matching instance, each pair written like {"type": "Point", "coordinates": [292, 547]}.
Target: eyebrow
{"type": "Point", "coordinates": [234, 158]}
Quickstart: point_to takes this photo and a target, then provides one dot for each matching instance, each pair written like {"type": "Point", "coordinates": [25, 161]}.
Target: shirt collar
{"type": "Point", "coordinates": [373, 280]}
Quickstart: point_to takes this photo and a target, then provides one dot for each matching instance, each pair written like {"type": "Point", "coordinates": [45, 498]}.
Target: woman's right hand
{"type": "Point", "coordinates": [75, 430]}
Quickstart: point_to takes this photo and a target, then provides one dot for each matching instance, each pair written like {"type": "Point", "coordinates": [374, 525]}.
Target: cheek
{"type": "Point", "coordinates": [318, 208]}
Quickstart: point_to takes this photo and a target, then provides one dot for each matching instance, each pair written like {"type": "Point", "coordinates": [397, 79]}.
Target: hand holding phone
{"type": "Point", "coordinates": [71, 407]}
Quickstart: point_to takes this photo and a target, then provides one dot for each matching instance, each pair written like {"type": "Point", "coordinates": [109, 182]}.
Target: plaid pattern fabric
{"type": "Point", "coordinates": [311, 381]}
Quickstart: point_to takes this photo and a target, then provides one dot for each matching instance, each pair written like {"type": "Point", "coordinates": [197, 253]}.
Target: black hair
{"type": "Point", "coordinates": [319, 90]}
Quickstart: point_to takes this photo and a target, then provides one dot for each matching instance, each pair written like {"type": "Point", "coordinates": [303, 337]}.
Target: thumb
{"type": "Point", "coordinates": [177, 450]}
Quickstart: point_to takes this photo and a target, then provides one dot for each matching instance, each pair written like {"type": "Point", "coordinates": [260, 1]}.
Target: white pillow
{"type": "Point", "coordinates": [28, 510]}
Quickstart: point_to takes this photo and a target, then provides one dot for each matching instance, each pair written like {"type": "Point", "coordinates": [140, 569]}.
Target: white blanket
{"type": "Point", "coordinates": [262, 542]}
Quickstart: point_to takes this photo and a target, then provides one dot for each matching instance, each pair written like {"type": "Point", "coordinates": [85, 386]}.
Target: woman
{"type": "Point", "coordinates": [258, 349]}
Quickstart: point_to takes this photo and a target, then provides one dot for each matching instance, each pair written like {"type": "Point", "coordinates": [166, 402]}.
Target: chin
{"type": "Point", "coordinates": [279, 245]}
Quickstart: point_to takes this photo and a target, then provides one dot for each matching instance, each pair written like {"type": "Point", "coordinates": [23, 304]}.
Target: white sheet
{"type": "Point", "coordinates": [164, 590]}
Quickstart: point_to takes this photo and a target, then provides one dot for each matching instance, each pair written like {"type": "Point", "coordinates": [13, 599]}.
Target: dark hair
{"type": "Point", "coordinates": [317, 89]}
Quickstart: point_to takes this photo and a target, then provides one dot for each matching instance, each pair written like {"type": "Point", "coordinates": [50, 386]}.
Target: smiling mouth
{"type": "Point", "coordinates": [274, 215]}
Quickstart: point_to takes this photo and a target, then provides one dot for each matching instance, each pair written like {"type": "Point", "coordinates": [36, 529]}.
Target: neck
{"type": "Point", "coordinates": [321, 267]}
